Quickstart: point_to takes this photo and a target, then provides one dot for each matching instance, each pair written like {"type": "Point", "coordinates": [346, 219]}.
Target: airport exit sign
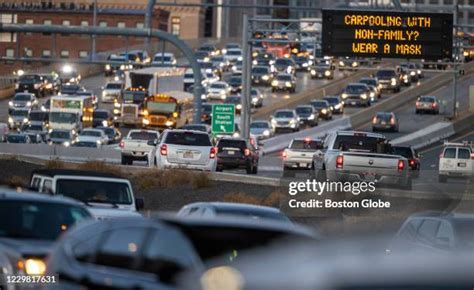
{"type": "Point", "coordinates": [223, 116]}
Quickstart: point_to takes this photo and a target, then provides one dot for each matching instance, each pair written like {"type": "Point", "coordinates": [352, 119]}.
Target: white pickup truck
{"type": "Point", "coordinates": [299, 155]}
{"type": "Point", "coordinates": [105, 195]}
{"type": "Point", "coordinates": [139, 145]}
{"type": "Point", "coordinates": [360, 156]}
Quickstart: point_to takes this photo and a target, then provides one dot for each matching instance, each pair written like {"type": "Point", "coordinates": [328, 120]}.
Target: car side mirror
{"type": "Point", "coordinates": [139, 203]}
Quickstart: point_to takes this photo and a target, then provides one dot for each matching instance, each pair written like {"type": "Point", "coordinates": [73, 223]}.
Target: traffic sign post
{"type": "Point", "coordinates": [223, 118]}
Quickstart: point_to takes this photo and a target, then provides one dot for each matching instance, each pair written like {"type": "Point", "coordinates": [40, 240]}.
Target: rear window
{"type": "Point", "coordinates": [307, 145]}
{"type": "Point", "coordinates": [427, 99]}
{"type": "Point", "coordinates": [403, 151]}
{"type": "Point", "coordinates": [188, 138]}
{"type": "Point", "coordinates": [449, 153]}
{"type": "Point", "coordinates": [359, 143]}
{"type": "Point", "coordinates": [143, 136]}
{"type": "Point", "coordinates": [464, 153]}
{"type": "Point", "coordinates": [224, 143]}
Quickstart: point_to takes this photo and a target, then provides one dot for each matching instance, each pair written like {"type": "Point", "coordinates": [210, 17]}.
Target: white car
{"type": "Point", "coordinates": [186, 149]}
{"type": "Point", "coordinates": [90, 135]}
{"type": "Point", "coordinates": [233, 55]}
{"type": "Point", "coordinates": [456, 161]}
{"type": "Point", "coordinates": [218, 91]}
{"type": "Point", "coordinates": [164, 59]}
{"type": "Point", "coordinates": [111, 91]}
{"type": "Point", "coordinates": [209, 78]}
{"type": "Point", "coordinates": [261, 129]}
{"type": "Point", "coordinates": [285, 120]}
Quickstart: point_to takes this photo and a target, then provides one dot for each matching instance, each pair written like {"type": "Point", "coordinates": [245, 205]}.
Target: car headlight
{"type": "Point", "coordinates": [255, 100]}
{"type": "Point", "coordinates": [254, 62]}
{"type": "Point", "coordinates": [36, 86]}
{"type": "Point", "coordinates": [418, 72]}
{"type": "Point", "coordinates": [338, 106]}
{"type": "Point", "coordinates": [49, 86]}
{"type": "Point", "coordinates": [324, 111]}
{"type": "Point", "coordinates": [108, 67]}
{"type": "Point", "coordinates": [234, 68]}
{"type": "Point", "coordinates": [105, 123]}
{"type": "Point", "coordinates": [288, 84]}
{"type": "Point", "coordinates": [313, 72]}
{"type": "Point", "coordinates": [266, 133]}
{"type": "Point", "coordinates": [275, 83]}
{"type": "Point", "coordinates": [305, 64]}
{"type": "Point", "coordinates": [289, 69]}
{"type": "Point", "coordinates": [25, 120]}
{"type": "Point", "coordinates": [239, 106]}
{"type": "Point", "coordinates": [116, 111]}
{"type": "Point", "coordinates": [372, 94]}
{"type": "Point", "coordinates": [28, 104]}
{"type": "Point", "coordinates": [274, 121]}
{"type": "Point", "coordinates": [405, 77]}
{"type": "Point", "coordinates": [344, 95]}
{"type": "Point", "coordinates": [236, 135]}
{"type": "Point", "coordinates": [355, 63]}
{"type": "Point", "coordinates": [292, 121]}
{"type": "Point", "coordinates": [10, 103]}
{"type": "Point", "coordinates": [117, 105]}
{"type": "Point", "coordinates": [239, 58]}
{"type": "Point", "coordinates": [393, 81]}
{"type": "Point", "coordinates": [327, 73]}
{"type": "Point", "coordinates": [311, 117]}
{"type": "Point", "coordinates": [412, 73]}
{"type": "Point", "coordinates": [17, 86]}
{"type": "Point", "coordinates": [341, 63]}
{"type": "Point", "coordinates": [145, 121]}
{"type": "Point", "coordinates": [224, 51]}
{"type": "Point", "coordinates": [10, 120]}
{"type": "Point", "coordinates": [223, 96]}
{"type": "Point", "coordinates": [203, 97]}
{"type": "Point", "coordinates": [363, 96]}
{"type": "Point", "coordinates": [35, 267]}
{"type": "Point", "coordinates": [265, 77]}
{"type": "Point", "coordinates": [66, 144]}
{"type": "Point", "coordinates": [122, 67]}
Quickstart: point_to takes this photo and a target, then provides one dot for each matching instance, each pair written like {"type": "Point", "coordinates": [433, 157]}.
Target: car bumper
{"type": "Point", "coordinates": [137, 155]}
{"type": "Point", "coordinates": [379, 177]}
{"type": "Point", "coordinates": [163, 163]}
{"type": "Point", "coordinates": [229, 162]}
{"type": "Point", "coordinates": [384, 127]}
{"type": "Point", "coordinates": [456, 174]}
{"type": "Point", "coordinates": [297, 164]}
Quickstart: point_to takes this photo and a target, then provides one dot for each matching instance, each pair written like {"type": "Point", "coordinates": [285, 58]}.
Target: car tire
{"type": "Point", "coordinates": [219, 169]}
{"type": "Point", "coordinates": [417, 112]}
{"type": "Point", "coordinates": [255, 169]}
{"type": "Point", "coordinates": [249, 168]}
{"type": "Point", "coordinates": [442, 179]}
{"type": "Point", "coordinates": [125, 160]}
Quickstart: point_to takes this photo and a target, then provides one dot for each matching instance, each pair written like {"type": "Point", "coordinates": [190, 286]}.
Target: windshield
{"type": "Point", "coordinates": [29, 79]}
{"type": "Point", "coordinates": [384, 116]}
{"type": "Point", "coordinates": [217, 59]}
{"type": "Point", "coordinates": [37, 220]}
{"type": "Point", "coordinates": [134, 96]}
{"type": "Point", "coordinates": [304, 110]}
{"type": "Point", "coordinates": [143, 135]}
{"type": "Point", "coordinates": [162, 58]}
{"type": "Point", "coordinates": [284, 78]}
{"type": "Point", "coordinates": [319, 104]}
{"type": "Point", "coordinates": [100, 115]}
{"type": "Point", "coordinates": [386, 73]}
{"type": "Point", "coordinates": [22, 97]}
{"type": "Point", "coordinates": [19, 113]}
{"type": "Point", "coordinates": [188, 75]}
{"type": "Point", "coordinates": [232, 100]}
{"type": "Point", "coordinates": [70, 88]}
{"type": "Point", "coordinates": [38, 116]}
{"type": "Point", "coordinates": [188, 138]}
{"type": "Point", "coordinates": [60, 134]}
{"type": "Point", "coordinates": [159, 107]}
{"type": "Point", "coordinates": [250, 213]}
{"type": "Point", "coordinates": [34, 128]}
{"type": "Point", "coordinates": [371, 82]}
{"type": "Point", "coordinates": [356, 89]}
{"type": "Point", "coordinates": [235, 81]}
{"type": "Point", "coordinates": [108, 131]}
{"type": "Point", "coordinates": [426, 99]}
{"type": "Point", "coordinates": [90, 133]}
{"type": "Point", "coordinates": [16, 139]}
{"type": "Point", "coordinates": [282, 61]}
{"type": "Point", "coordinates": [284, 114]}
{"type": "Point", "coordinates": [113, 86]}
{"type": "Point", "coordinates": [234, 52]}
{"type": "Point", "coordinates": [308, 145]}
{"type": "Point", "coordinates": [218, 86]}
{"type": "Point", "coordinates": [60, 117]}
{"type": "Point", "coordinates": [332, 100]}
{"type": "Point", "coordinates": [259, 125]}
{"type": "Point", "coordinates": [260, 70]}
{"type": "Point", "coordinates": [95, 191]}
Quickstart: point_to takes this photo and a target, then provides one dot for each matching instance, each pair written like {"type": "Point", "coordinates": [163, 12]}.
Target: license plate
{"type": "Point", "coordinates": [303, 165]}
{"type": "Point", "coordinates": [383, 123]}
{"type": "Point", "coordinates": [353, 103]}
{"type": "Point", "coordinates": [462, 164]}
{"type": "Point", "coordinates": [188, 154]}
{"type": "Point", "coordinates": [369, 176]}
{"type": "Point", "coordinates": [230, 152]}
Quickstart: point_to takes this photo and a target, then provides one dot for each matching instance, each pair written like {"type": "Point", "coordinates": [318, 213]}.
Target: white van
{"type": "Point", "coordinates": [456, 160]}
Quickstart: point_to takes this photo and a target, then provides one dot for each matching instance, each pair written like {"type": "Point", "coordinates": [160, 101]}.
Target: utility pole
{"type": "Point", "coordinates": [94, 37]}
{"type": "Point", "coordinates": [456, 67]}
{"type": "Point", "coordinates": [246, 80]}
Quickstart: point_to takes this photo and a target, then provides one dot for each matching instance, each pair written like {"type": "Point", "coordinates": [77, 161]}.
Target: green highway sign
{"type": "Point", "coordinates": [223, 116]}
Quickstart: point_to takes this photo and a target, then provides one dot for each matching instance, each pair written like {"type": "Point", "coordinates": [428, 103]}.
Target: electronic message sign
{"type": "Point", "coordinates": [387, 34]}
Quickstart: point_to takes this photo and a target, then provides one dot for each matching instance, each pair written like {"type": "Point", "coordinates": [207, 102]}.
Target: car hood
{"type": "Point", "coordinates": [211, 90]}
{"type": "Point", "coordinates": [258, 131]}
{"type": "Point", "coordinates": [283, 119]}
{"type": "Point", "coordinates": [29, 247]}
{"type": "Point", "coordinates": [112, 91]}
{"type": "Point", "coordinates": [109, 213]}
{"type": "Point", "coordinates": [59, 140]}
{"type": "Point", "coordinates": [88, 138]}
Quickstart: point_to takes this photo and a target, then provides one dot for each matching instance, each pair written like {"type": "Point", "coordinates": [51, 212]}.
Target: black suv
{"type": "Point", "coordinates": [31, 83]}
{"type": "Point", "coordinates": [237, 153]}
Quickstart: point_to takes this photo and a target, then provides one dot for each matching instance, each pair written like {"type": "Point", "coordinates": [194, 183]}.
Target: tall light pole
{"type": "Point", "coordinates": [246, 80]}
{"type": "Point", "coordinates": [94, 37]}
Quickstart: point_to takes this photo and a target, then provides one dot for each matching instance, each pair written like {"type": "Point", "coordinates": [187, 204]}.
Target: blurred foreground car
{"type": "Point", "coordinates": [228, 209]}
{"type": "Point", "coordinates": [30, 223]}
{"type": "Point", "coordinates": [130, 253]}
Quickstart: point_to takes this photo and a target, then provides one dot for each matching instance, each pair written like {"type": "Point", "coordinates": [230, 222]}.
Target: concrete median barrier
{"type": "Point", "coordinates": [427, 136]}
{"type": "Point", "coordinates": [280, 142]}
{"type": "Point", "coordinates": [7, 93]}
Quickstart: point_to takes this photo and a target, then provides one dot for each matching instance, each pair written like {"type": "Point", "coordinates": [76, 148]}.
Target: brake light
{"type": "Point", "coordinates": [164, 150]}
{"type": "Point", "coordinates": [418, 104]}
{"type": "Point", "coordinates": [247, 152]}
{"type": "Point", "coordinates": [411, 162]}
{"type": "Point", "coordinates": [339, 161]}
{"type": "Point", "coordinates": [212, 153]}
{"type": "Point", "coordinates": [284, 154]}
{"type": "Point", "coordinates": [392, 121]}
{"type": "Point", "coordinates": [307, 140]}
{"type": "Point", "coordinates": [401, 165]}
{"type": "Point", "coordinates": [122, 144]}
{"type": "Point", "coordinates": [434, 105]}
{"type": "Point", "coordinates": [472, 156]}
{"type": "Point", "coordinates": [374, 120]}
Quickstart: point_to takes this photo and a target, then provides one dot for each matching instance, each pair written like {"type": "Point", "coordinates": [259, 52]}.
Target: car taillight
{"type": "Point", "coordinates": [472, 156]}
{"type": "Point", "coordinates": [164, 150]}
{"type": "Point", "coordinates": [284, 154]}
{"type": "Point", "coordinates": [411, 162]}
{"type": "Point", "coordinates": [212, 153]}
{"type": "Point", "coordinates": [122, 144]}
{"type": "Point", "coordinates": [339, 161]}
{"type": "Point", "coordinates": [247, 152]}
{"type": "Point", "coordinates": [401, 165]}
{"type": "Point", "coordinates": [418, 104]}
{"type": "Point", "coordinates": [374, 120]}
{"type": "Point", "coordinates": [434, 105]}
{"type": "Point", "coordinates": [392, 121]}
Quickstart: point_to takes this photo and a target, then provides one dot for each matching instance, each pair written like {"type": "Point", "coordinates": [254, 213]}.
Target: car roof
{"type": "Point", "coordinates": [233, 205]}
{"type": "Point", "coordinates": [357, 84]}
{"type": "Point", "coordinates": [304, 106]}
{"type": "Point", "coordinates": [73, 172]}
{"type": "Point", "coordinates": [351, 133]}
{"type": "Point", "coordinates": [8, 194]}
